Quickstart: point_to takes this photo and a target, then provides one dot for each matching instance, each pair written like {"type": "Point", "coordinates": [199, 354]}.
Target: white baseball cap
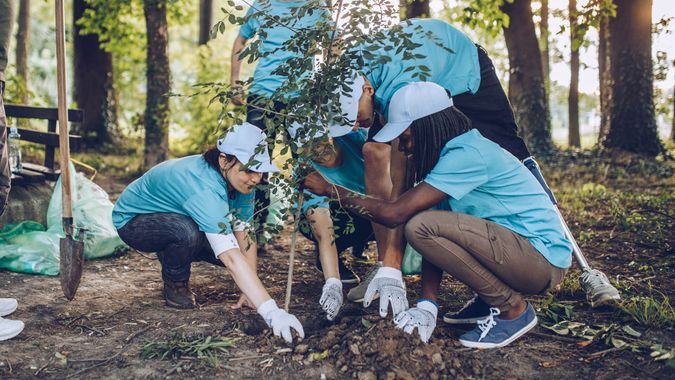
{"type": "Point", "coordinates": [243, 141]}
{"type": "Point", "coordinates": [349, 106]}
{"type": "Point", "coordinates": [409, 103]}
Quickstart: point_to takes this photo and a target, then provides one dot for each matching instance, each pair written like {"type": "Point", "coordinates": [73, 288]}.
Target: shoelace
{"type": "Point", "coordinates": [595, 278]}
{"type": "Point", "coordinates": [485, 325]}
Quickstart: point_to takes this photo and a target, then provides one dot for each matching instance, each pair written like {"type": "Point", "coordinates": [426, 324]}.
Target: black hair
{"type": "Point", "coordinates": [211, 157]}
{"type": "Point", "coordinates": [429, 136]}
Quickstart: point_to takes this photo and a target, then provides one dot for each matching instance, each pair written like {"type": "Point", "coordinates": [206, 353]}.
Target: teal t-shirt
{"type": "Point", "coordinates": [272, 50]}
{"type": "Point", "coordinates": [486, 181]}
{"type": "Point", "coordinates": [349, 174]}
{"type": "Point", "coordinates": [186, 186]}
{"type": "Point", "coordinates": [457, 71]}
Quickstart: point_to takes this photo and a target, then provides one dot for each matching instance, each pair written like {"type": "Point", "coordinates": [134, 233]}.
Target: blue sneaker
{"type": "Point", "coordinates": [493, 332]}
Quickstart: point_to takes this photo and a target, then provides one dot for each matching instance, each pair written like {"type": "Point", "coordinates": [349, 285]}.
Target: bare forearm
{"type": "Point", "coordinates": [235, 59]}
{"type": "Point", "coordinates": [380, 211]}
{"type": "Point", "coordinates": [249, 248]}
{"type": "Point", "coordinates": [244, 276]}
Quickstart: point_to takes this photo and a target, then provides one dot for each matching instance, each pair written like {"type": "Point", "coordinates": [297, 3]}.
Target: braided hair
{"type": "Point", "coordinates": [429, 136]}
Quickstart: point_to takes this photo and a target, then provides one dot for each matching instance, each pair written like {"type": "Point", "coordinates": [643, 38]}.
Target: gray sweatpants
{"type": "Point", "coordinates": [497, 263]}
{"type": "Point", "coordinates": [5, 173]}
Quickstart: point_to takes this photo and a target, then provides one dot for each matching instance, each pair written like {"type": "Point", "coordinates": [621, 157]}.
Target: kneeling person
{"type": "Point", "coordinates": [181, 210]}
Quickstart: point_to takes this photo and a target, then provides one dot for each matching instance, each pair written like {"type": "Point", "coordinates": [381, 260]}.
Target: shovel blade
{"type": "Point", "coordinates": [72, 261]}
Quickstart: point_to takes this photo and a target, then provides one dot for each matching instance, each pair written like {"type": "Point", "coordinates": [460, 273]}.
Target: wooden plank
{"type": "Point", "coordinates": [47, 138]}
{"type": "Point", "coordinates": [26, 112]}
{"type": "Point", "coordinates": [49, 173]}
{"type": "Point", "coordinates": [31, 176]}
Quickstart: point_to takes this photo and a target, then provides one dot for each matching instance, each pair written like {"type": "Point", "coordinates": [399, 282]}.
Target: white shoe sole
{"type": "Point", "coordinates": [4, 312]}
{"type": "Point", "coordinates": [466, 321]}
{"type": "Point", "coordinates": [515, 336]}
{"type": "Point", "coordinates": [12, 334]}
{"type": "Point", "coordinates": [604, 299]}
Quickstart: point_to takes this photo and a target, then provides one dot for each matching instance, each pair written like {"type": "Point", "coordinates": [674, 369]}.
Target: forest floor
{"type": "Point", "coordinates": [621, 209]}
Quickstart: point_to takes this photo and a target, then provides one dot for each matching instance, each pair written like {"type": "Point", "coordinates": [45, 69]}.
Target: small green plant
{"type": "Point", "coordinates": [649, 311]}
{"type": "Point", "coordinates": [182, 346]}
{"type": "Point", "coordinates": [570, 284]}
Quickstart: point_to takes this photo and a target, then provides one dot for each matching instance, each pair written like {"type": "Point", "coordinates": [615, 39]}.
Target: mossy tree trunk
{"type": "Point", "coordinates": [158, 76]}
{"type": "Point", "coordinates": [414, 8]}
{"type": "Point", "coordinates": [604, 75]}
{"type": "Point", "coordinates": [544, 47]}
{"type": "Point", "coordinates": [632, 121]}
{"type": "Point", "coordinates": [526, 80]}
{"type": "Point", "coordinates": [94, 89]}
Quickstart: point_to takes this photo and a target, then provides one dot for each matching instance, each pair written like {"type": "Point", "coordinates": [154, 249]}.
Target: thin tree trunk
{"type": "Point", "coordinates": [574, 140]}
{"type": "Point", "coordinates": [159, 83]}
{"type": "Point", "coordinates": [632, 121]}
{"type": "Point", "coordinates": [22, 49]}
{"type": "Point", "coordinates": [414, 9]}
{"type": "Point", "coordinates": [545, 51]}
{"type": "Point", "coordinates": [94, 89]}
{"type": "Point", "coordinates": [672, 127]}
{"type": "Point", "coordinates": [205, 20]}
{"type": "Point", "coordinates": [605, 78]}
{"type": "Point", "coordinates": [526, 79]}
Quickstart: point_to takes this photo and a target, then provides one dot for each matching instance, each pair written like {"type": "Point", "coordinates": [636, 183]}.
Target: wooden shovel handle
{"type": "Point", "coordinates": [64, 144]}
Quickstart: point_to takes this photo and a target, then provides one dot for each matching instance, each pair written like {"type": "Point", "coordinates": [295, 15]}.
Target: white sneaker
{"type": "Point", "coordinates": [7, 306]}
{"type": "Point", "coordinates": [10, 328]}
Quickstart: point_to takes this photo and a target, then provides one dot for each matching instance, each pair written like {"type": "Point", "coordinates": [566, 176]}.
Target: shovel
{"type": "Point", "coordinates": [70, 250]}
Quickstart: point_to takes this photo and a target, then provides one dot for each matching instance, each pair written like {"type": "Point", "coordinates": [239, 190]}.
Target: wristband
{"type": "Point", "coordinates": [428, 305]}
{"type": "Point", "coordinates": [390, 273]}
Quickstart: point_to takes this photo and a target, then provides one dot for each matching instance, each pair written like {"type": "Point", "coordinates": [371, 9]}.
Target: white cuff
{"type": "Point", "coordinates": [267, 307]}
{"type": "Point", "coordinates": [221, 243]}
{"type": "Point", "coordinates": [334, 281]}
{"type": "Point", "coordinates": [428, 306]}
{"type": "Point", "coordinates": [389, 272]}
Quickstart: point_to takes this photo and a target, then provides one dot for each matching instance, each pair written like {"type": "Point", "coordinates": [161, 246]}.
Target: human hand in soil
{"type": "Point", "coordinates": [243, 302]}
{"type": "Point", "coordinates": [331, 298]}
{"type": "Point", "coordinates": [315, 183]}
{"type": "Point", "coordinates": [423, 317]}
{"type": "Point", "coordinates": [388, 283]}
{"type": "Point", "coordinates": [280, 321]}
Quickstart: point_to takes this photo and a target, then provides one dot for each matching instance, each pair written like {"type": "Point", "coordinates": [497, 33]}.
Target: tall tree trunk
{"type": "Point", "coordinates": [632, 121]}
{"type": "Point", "coordinates": [526, 79]}
{"type": "Point", "coordinates": [94, 89]}
{"type": "Point", "coordinates": [605, 78]}
{"type": "Point", "coordinates": [159, 83]}
{"type": "Point", "coordinates": [205, 20]}
{"type": "Point", "coordinates": [573, 138]}
{"type": "Point", "coordinates": [672, 127]}
{"type": "Point", "coordinates": [545, 51]}
{"type": "Point", "coordinates": [414, 8]}
{"type": "Point", "coordinates": [22, 49]}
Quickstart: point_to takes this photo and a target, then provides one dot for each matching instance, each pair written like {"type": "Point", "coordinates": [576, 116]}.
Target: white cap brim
{"type": "Point", "coordinates": [391, 131]}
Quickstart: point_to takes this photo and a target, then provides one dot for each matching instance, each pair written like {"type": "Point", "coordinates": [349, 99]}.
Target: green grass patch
{"type": "Point", "coordinates": [650, 311]}
{"type": "Point", "coordinates": [181, 346]}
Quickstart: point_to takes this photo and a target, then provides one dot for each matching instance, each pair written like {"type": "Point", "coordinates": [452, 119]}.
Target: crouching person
{"type": "Point", "coordinates": [195, 209]}
{"type": "Point", "coordinates": [502, 239]}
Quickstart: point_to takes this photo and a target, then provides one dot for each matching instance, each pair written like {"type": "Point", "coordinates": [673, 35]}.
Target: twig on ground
{"type": "Point", "coordinates": [604, 352]}
{"type": "Point", "coordinates": [556, 337]}
{"type": "Point", "coordinates": [44, 366]}
{"type": "Point", "coordinates": [100, 363]}
{"type": "Point", "coordinates": [246, 358]}
{"type": "Point", "coordinates": [134, 334]}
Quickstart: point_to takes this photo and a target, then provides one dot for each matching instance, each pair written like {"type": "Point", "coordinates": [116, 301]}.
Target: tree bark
{"type": "Point", "coordinates": [158, 76]}
{"type": "Point", "coordinates": [22, 49]}
{"type": "Point", "coordinates": [672, 127]}
{"type": "Point", "coordinates": [526, 79]}
{"type": "Point", "coordinates": [605, 78]}
{"type": "Point", "coordinates": [632, 121]}
{"type": "Point", "coordinates": [205, 20]}
{"type": "Point", "coordinates": [414, 9]}
{"type": "Point", "coordinates": [545, 51]}
{"type": "Point", "coordinates": [94, 89]}
{"type": "Point", "coordinates": [573, 138]}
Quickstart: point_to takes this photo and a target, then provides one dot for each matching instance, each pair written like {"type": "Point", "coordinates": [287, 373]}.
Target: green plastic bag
{"type": "Point", "coordinates": [28, 247]}
{"type": "Point", "coordinates": [412, 261]}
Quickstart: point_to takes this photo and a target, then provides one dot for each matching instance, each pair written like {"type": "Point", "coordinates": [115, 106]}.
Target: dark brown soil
{"type": "Point", "coordinates": [119, 308]}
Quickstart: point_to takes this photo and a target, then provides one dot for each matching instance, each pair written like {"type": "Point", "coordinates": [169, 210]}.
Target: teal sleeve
{"type": "Point", "coordinates": [250, 27]}
{"type": "Point", "coordinates": [459, 170]}
{"type": "Point", "coordinates": [243, 206]}
{"type": "Point", "coordinates": [209, 211]}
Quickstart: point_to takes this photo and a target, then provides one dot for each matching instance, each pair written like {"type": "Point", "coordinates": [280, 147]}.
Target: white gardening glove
{"type": "Point", "coordinates": [280, 321]}
{"type": "Point", "coordinates": [423, 317]}
{"type": "Point", "coordinates": [388, 282]}
{"type": "Point", "coordinates": [331, 298]}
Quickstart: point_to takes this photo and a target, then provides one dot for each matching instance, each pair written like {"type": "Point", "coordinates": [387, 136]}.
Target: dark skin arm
{"type": "Point", "coordinates": [388, 213]}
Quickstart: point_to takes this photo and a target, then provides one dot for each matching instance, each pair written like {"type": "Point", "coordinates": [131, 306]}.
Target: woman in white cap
{"type": "Point", "coordinates": [502, 237]}
{"type": "Point", "coordinates": [197, 208]}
